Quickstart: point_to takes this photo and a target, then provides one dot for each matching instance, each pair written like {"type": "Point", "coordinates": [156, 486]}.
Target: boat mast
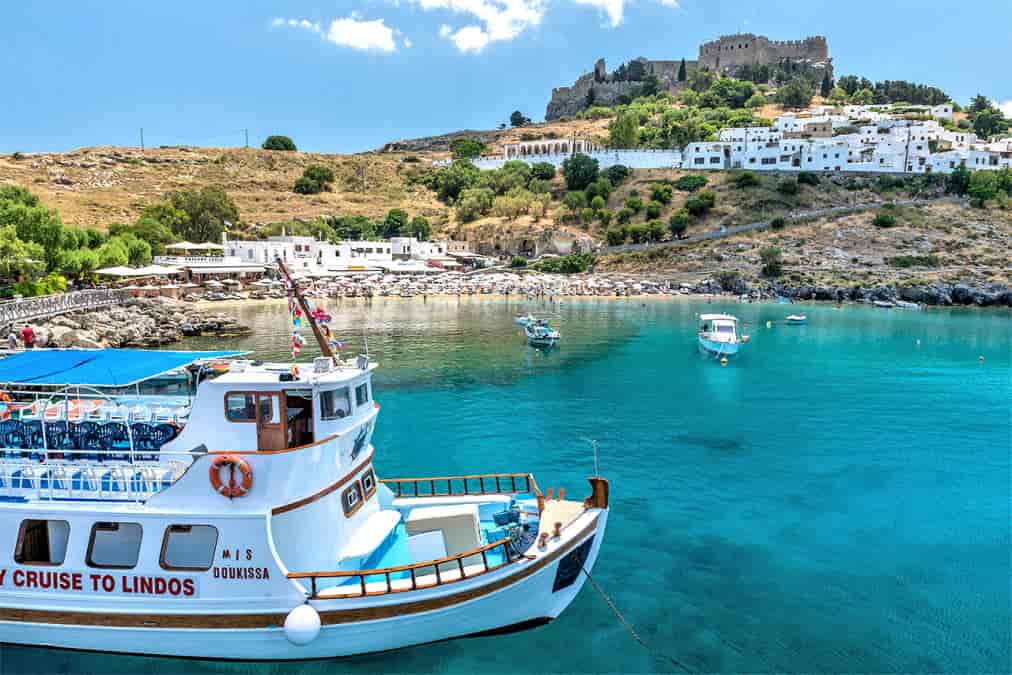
{"type": "Point", "coordinates": [320, 339]}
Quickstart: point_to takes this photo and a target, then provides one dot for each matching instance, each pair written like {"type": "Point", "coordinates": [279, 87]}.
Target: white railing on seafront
{"type": "Point", "coordinates": [28, 309]}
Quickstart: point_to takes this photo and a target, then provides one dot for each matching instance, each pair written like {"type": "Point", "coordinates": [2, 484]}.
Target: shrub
{"type": "Point", "coordinates": [323, 175]}
{"type": "Point", "coordinates": [587, 215]}
{"type": "Point", "coordinates": [746, 179]}
{"type": "Point", "coordinates": [449, 181]}
{"type": "Point", "coordinates": [474, 203]}
{"type": "Point", "coordinates": [615, 236]}
{"type": "Point", "coordinates": [602, 186]}
{"type": "Point", "coordinates": [279, 143]}
{"type": "Point", "coordinates": [771, 260]}
{"type": "Point", "coordinates": [624, 215]}
{"type": "Point", "coordinates": [540, 187]}
{"type": "Point", "coordinates": [580, 171]}
{"type": "Point", "coordinates": [929, 260]}
{"type": "Point", "coordinates": [678, 223]}
{"type": "Point", "coordinates": [574, 263]}
{"type": "Point", "coordinates": [639, 233]}
{"type": "Point", "coordinates": [661, 192]}
{"type": "Point", "coordinates": [617, 173]}
{"type": "Point", "coordinates": [654, 210]}
{"type": "Point", "coordinates": [542, 171]}
{"type": "Point", "coordinates": [690, 183]}
{"type": "Point", "coordinates": [307, 186]}
{"type": "Point", "coordinates": [699, 204]}
{"type": "Point", "coordinates": [656, 230]}
{"type": "Point", "coordinates": [728, 280]}
{"type": "Point", "coordinates": [575, 200]}
{"type": "Point", "coordinates": [884, 220]}
{"type": "Point", "coordinates": [808, 178]}
{"type": "Point", "coordinates": [597, 203]}
{"type": "Point", "coordinates": [788, 186]}
{"type": "Point", "coordinates": [634, 204]}
{"type": "Point", "coordinates": [778, 223]}
{"type": "Point", "coordinates": [518, 261]}
{"type": "Point", "coordinates": [604, 216]}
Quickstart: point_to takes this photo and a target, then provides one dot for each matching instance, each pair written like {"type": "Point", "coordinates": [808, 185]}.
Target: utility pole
{"type": "Point", "coordinates": [246, 136]}
{"type": "Point", "coordinates": [142, 139]}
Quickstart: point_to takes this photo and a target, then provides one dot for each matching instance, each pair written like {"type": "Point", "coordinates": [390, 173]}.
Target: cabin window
{"type": "Point", "coordinates": [368, 483]}
{"type": "Point", "coordinates": [240, 407]}
{"type": "Point", "coordinates": [335, 404]}
{"type": "Point", "coordinates": [362, 394]}
{"type": "Point", "coordinates": [722, 328]}
{"type": "Point", "coordinates": [351, 499]}
{"type": "Point", "coordinates": [270, 409]}
{"type": "Point", "coordinates": [189, 547]}
{"type": "Point", "coordinates": [42, 542]}
{"type": "Point", "coordinates": [114, 545]}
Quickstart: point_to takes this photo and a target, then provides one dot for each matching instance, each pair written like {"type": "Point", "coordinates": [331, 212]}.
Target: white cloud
{"type": "Point", "coordinates": [1006, 108]}
{"type": "Point", "coordinates": [407, 43]}
{"type": "Point", "coordinates": [353, 32]}
{"type": "Point", "coordinates": [614, 9]}
{"type": "Point", "coordinates": [501, 20]}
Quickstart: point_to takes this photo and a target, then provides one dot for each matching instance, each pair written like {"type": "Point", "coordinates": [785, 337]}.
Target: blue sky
{"type": "Point", "coordinates": [351, 75]}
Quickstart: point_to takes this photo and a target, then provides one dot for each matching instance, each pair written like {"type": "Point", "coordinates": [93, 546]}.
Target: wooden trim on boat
{"type": "Point", "coordinates": [291, 506]}
{"type": "Point", "coordinates": [274, 452]}
{"type": "Point", "coordinates": [328, 617]}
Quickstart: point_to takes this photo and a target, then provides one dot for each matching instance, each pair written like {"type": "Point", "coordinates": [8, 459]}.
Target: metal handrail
{"type": "Point", "coordinates": [510, 557]}
{"type": "Point", "coordinates": [465, 483]}
{"type": "Point", "coordinates": [14, 311]}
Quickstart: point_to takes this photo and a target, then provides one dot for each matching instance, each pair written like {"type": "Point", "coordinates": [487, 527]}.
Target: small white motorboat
{"type": "Point", "coordinates": [540, 334]}
{"type": "Point", "coordinates": [796, 319]}
{"type": "Point", "coordinates": [523, 319]}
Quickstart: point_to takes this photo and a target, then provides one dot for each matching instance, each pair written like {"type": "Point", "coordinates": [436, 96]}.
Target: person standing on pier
{"type": "Point", "coordinates": [28, 335]}
{"type": "Point", "coordinates": [12, 341]}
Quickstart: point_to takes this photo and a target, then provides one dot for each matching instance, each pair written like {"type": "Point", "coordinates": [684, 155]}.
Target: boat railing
{"type": "Point", "coordinates": [461, 486]}
{"type": "Point", "coordinates": [459, 571]}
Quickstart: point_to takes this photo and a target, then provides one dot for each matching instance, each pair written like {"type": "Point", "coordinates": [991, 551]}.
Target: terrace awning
{"type": "Point", "coordinates": [96, 367]}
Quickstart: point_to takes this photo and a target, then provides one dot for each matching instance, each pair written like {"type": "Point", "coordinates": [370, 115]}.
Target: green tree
{"type": "Point", "coordinates": [746, 179]}
{"type": "Point", "coordinates": [18, 195]}
{"type": "Point", "coordinates": [654, 209]}
{"type": "Point", "coordinates": [474, 203]}
{"type": "Point", "coordinates": [113, 253]}
{"type": "Point", "coordinates": [18, 257]}
{"type": "Point", "coordinates": [701, 79]}
{"type": "Point", "coordinates": [448, 182]}
{"type": "Point", "coordinates": [624, 215]}
{"type": "Point", "coordinates": [958, 182]}
{"type": "Point", "coordinates": [279, 143]}
{"type": "Point", "coordinates": [771, 258]}
{"type": "Point", "coordinates": [138, 251]}
{"type": "Point", "coordinates": [615, 236]}
{"type": "Point", "coordinates": [827, 85]}
{"type": "Point", "coordinates": [597, 203]}
{"type": "Point", "coordinates": [863, 97]}
{"type": "Point", "coordinates": [990, 122]}
{"type": "Point", "coordinates": [146, 229]}
{"type": "Point", "coordinates": [634, 204]}
{"type": "Point", "coordinates": [604, 216]}
{"type": "Point", "coordinates": [322, 174]}
{"type": "Point", "coordinates": [395, 222]}
{"type": "Point", "coordinates": [419, 228]}
{"type": "Point", "coordinates": [983, 186]}
{"type": "Point", "coordinates": [206, 211]}
{"type": "Point", "coordinates": [681, 71]}
{"type": "Point", "coordinates": [795, 94]}
{"type": "Point", "coordinates": [166, 214]}
{"type": "Point", "coordinates": [788, 186]}
{"type": "Point", "coordinates": [624, 130]}
{"type": "Point", "coordinates": [755, 101]}
{"type": "Point", "coordinates": [678, 223]}
{"type": "Point", "coordinates": [579, 171]}
{"type": "Point", "coordinates": [639, 233]}
{"type": "Point", "coordinates": [466, 148]}
{"type": "Point", "coordinates": [517, 119]}
{"type": "Point", "coordinates": [690, 182]}
{"type": "Point", "coordinates": [656, 230]}
{"type": "Point", "coordinates": [617, 173]}
{"type": "Point", "coordinates": [575, 200]}
{"type": "Point", "coordinates": [542, 171]}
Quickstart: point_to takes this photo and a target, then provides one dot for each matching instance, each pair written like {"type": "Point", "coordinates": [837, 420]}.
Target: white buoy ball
{"type": "Point", "coordinates": [302, 625]}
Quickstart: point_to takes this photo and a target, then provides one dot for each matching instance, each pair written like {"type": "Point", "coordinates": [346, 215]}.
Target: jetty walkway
{"type": "Point", "coordinates": [13, 312]}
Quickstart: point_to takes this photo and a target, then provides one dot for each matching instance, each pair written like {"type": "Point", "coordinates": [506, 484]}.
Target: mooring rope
{"type": "Point", "coordinates": [628, 626]}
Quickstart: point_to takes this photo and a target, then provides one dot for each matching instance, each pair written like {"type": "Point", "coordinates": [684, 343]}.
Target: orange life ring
{"type": "Point", "coordinates": [5, 397]}
{"type": "Point", "coordinates": [232, 489]}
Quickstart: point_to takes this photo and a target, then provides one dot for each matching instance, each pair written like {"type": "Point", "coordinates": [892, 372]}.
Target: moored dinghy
{"type": "Point", "coordinates": [540, 334]}
{"type": "Point", "coordinates": [796, 319]}
{"type": "Point", "coordinates": [259, 530]}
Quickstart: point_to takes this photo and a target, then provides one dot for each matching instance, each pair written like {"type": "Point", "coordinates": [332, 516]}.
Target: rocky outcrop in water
{"type": "Point", "coordinates": [142, 322]}
{"type": "Point", "coordinates": [938, 294]}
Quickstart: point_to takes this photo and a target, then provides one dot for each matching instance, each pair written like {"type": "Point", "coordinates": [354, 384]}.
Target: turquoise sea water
{"type": "Point", "coordinates": [836, 499]}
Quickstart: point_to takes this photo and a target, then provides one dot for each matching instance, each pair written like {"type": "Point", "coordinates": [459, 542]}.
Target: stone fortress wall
{"type": "Point", "coordinates": [724, 55]}
{"type": "Point", "coordinates": [730, 51]}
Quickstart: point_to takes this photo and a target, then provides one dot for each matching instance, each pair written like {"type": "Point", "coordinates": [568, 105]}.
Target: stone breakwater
{"type": "Point", "coordinates": [141, 322]}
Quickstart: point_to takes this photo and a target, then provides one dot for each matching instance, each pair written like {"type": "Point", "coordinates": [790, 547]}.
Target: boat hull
{"type": "Point", "coordinates": [511, 599]}
{"type": "Point", "coordinates": [715, 348]}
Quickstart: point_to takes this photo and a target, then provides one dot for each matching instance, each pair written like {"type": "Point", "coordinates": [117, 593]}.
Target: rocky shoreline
{"type": "Point", "coordinates": [939, 294]}
{"type": "Point", "coordinates": [138, 323]}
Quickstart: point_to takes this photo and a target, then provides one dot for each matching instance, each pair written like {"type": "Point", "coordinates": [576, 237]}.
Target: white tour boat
{"type": "Point", "coordinates": [718, 335]}
{"type": "Point", "coordinates": [248, 522]}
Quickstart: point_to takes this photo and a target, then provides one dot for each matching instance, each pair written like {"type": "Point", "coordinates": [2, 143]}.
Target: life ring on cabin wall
{"type": "Point", "coordinates": [233, 488]}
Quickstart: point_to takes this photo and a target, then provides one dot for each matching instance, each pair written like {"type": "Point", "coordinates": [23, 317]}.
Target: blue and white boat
{"type": "Point", "coordinates": [718, 335]}
{"type": "Point", "coordinates": [796, 319]}
{"type": "Point", "coordinates": [540, 334]}
{"type": "Point", "coordinates": [523, 319]}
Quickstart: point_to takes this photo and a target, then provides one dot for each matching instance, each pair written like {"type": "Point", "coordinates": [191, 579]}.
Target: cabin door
{"type": "Point", "coordinates": [270, 421]}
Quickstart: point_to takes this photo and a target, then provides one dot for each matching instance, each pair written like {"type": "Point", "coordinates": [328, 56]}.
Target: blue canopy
{"type": "Point", "coordinates": [95, 367]}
